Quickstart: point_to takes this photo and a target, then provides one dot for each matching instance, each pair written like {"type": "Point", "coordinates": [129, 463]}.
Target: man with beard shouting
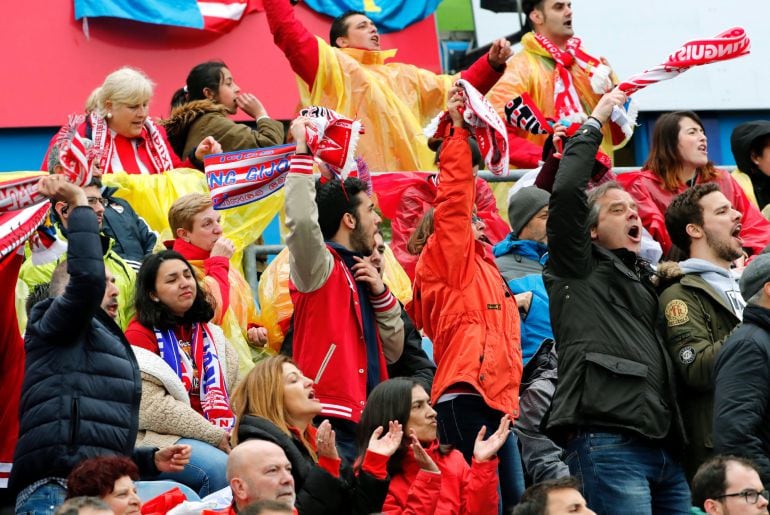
{"type": "Point", "coordinates": [702, 306]}
{"type": "Point", "coordinates": [347, 324]}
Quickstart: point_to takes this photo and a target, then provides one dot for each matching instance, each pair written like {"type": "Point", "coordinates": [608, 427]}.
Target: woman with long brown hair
{"type": "Point", "coordinates": [276, 402]}
{"type": "Point", "coordinates": [678, 160]}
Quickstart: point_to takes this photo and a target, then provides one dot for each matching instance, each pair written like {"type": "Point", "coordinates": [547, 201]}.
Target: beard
{"type": "Point", "coordinates": [722, 247]}
{"type": "Point", "coordinates": [360, 241]}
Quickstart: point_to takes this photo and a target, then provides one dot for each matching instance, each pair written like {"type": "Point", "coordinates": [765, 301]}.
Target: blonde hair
{"type": "Point", "coordinates": [125, 86]}
{"type": "Point", "coordinates": [261, 394]}
{"type": "Point", "coordinates": [182, 211]}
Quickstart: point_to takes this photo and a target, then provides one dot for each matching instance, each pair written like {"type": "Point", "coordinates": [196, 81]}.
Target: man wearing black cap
{"type": "Point", "coordinates": [750, 143]}
{"type": "Point", "coordinates": [742, 375]}
{"type": "Point", "coordinates": [520, 258]}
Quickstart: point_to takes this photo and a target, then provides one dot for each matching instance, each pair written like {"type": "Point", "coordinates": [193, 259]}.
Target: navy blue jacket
{"type": "Point", "coordinates": [81, 390]}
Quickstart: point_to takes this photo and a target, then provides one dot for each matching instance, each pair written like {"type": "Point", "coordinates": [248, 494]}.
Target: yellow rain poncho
{"type": "Point", "coordinates": [395, 101]}
{"type": "Point", "coordinates": [532, 71]}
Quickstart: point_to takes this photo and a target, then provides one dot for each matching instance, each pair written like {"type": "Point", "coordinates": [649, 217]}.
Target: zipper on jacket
{"type": "Point", "coordinates": [74, 419]}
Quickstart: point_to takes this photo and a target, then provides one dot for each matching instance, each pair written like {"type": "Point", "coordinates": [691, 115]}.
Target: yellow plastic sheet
{"type": "Point", "coordinates": [393, 100]}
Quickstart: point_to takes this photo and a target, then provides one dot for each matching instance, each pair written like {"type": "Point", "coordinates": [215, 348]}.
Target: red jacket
{"type": "Point", "coordinates": [458, 489]}
{"type": "Point", "coordinates": [652, 199]}
{"type": "Point", "coordinates": [405, 197]}
{"type": "Point", "coordinates": [331, 315]}
{"type": "Point", "coordinates": [461, 300]}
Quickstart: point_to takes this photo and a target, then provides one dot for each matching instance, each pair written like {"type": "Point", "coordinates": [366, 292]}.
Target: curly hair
{"type": "Point", "coordinates": [96, 476]}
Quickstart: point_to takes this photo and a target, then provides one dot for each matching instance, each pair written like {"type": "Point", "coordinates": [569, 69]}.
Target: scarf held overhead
{"type": "Point", "coordinates": [245, 176]}
{"type": "Point", "coordinates": [332, 138]}
{"type": "Point", "coordinates": [213, 392]}
{"type": "Point", "coordinates": [485, 125]}
{"type": "Point", "coordinates": [727, 45]}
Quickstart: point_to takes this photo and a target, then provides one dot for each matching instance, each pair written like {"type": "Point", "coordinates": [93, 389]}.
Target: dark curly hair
{"type": "Point", "coordinates": [156, 314]}
{"type": "Point", "coordinates": [334, 201]}
{"type": "Point", "coordinates": [96, 476]}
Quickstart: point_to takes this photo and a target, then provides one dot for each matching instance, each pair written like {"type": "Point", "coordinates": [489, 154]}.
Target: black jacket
{"type": "Point", "coordinates": [133, 237]}
{"type": "Point", "coordinates": [81, 389]}
{"type": "Point", "coordinates": [318, 492]}
{"type": "Point", "coordinates": [614, 371]}
{"type": "Point", "coordinates": [742, 391]}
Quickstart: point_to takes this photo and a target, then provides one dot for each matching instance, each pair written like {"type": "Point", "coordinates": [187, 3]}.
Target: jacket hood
{"type": "Point", "coordinates": [698, 266]}
{"type": "Point", "coordinates": [181, 119]}
{"type": "Point", "coordinates": [740, 143]}
{"type": "Point", "coordinates": [527, 248]}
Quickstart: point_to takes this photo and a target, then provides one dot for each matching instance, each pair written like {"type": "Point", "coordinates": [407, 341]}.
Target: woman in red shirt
{"type": "Point", "coordinates": [427, 477]}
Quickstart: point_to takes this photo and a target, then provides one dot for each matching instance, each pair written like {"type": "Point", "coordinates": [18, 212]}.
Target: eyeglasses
{"type": "Point", "coordinates": [750, 496]}
{"type": "Point", "coordinates": [92, 201]}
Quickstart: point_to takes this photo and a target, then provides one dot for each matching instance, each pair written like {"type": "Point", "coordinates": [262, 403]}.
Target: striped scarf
{"type": "Point", "coordinates": [214, 399]}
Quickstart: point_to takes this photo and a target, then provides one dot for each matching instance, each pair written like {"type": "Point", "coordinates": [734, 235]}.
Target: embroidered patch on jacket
{"type": "Point", "coordinates": [494, 306]}
{"type": "Point", "coordinates": [676, 313]}
{"type": "Point", "coordinates": [687, 355]}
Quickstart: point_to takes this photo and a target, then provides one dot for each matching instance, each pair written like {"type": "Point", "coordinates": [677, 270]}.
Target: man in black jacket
{"type": "Point", "coordinates": [742, 376]}
{"type": "Point", "coordinates": [81, 389]}
{"type": "Point", "coordinates": [614, 407]}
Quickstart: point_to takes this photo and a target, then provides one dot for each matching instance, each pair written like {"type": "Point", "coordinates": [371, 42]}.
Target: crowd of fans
{"type": "Point", "coordinates": [566, 371]}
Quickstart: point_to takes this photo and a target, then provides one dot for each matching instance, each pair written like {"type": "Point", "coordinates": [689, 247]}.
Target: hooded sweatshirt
{"type": "Point", "coordinates": [722, 280]}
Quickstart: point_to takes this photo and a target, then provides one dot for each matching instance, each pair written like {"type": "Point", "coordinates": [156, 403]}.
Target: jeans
{"type": "Point", "coordinates": [624, 473]}
{"type": "Point", "coordinates": [206, 471]}
{"type": "Point", "coordinates": [459, 421]}
{"type": "Point", "coordinates": [43, 500]}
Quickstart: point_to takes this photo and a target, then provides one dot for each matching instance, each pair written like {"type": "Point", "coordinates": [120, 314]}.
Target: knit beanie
{"type": "Point", "coordinates": [523, 205]}
{"type": "Point", "coordinates": [755, 276]}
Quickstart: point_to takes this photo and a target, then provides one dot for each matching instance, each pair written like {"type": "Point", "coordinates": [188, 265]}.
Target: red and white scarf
{"type": "Point", "coordinates": [154, 146]}
{"type": "Point", "coordinates": [213, 393]}
{"type": "Point", "coordinates": [567, 104]}
{"type": "Point", "coordinates": [245, 176]}
{"type": "Point", "coordinates": [332, 138]}
{"type": "Point", "coordinates": [523, 113]}
{"type": "Point", "coordinates": [485, 125]}
{"type": "Point", "coordinates": [726, 45]}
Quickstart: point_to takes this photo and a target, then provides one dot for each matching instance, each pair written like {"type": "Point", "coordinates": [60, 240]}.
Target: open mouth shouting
{"type": "Point", "coordinates": [737, 233]}
{"type": "Point", "coordinates": [635, 232]}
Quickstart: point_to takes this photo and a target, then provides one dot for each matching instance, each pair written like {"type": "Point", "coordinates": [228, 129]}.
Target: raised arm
{"type": "Point", "coordinates": [310, 262]}
{"type": "Point", "coordinates": [568, 233]}
{"type": "Point", "coordinates": [71, 312]}
{"type": "Point", "coordinates": [488, 69]}
{"type": "Point", "coordinates": [297, 43]}
{"type": "Point", "coordinates": [453, 235]}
